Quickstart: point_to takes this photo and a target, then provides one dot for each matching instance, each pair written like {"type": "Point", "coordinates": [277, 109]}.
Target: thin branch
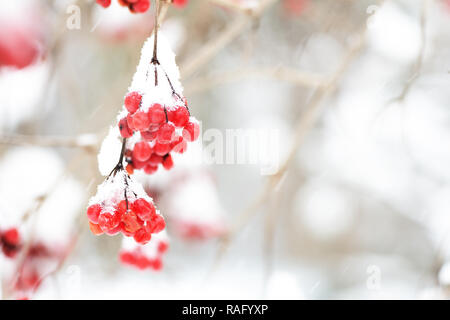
{"type": "Point", "coordinates": [295, 77]}
{"type": "Point", "coordinates": [417, 65]}
{"type": "Point", "coordinates": [214, 46]}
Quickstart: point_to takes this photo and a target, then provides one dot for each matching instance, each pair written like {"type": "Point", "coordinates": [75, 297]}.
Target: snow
{"type": "Point", "coordinates": [144, 78]}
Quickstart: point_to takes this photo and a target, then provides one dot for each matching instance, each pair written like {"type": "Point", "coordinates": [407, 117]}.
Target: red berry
{"type": "Point", "coordinates": [142, 236]}
{"type": "Point", "coordinates": [149, 169]}
{"type": "Point", "coordinates": [179, 145]}
{"type": "Point", "coordinates": [167, 162]}
{"type": "Point", "coordinates": [166, 133]}
{"type": "Point", "coordinates": [142, 151]}
{"type": "Point", "coordinates": [127, 258]}
{"type": "Point", "coordinates": [114, 231]}
{"type": "Point", "coordinates": [162, 149]}
{"type": "Point", "coordinates": [138, 164]}
{"type": "Point", "coordinates": [162, 247]}
{"type": "Point", "coordinates": [140, 121]}
{"type": "Point", "coordinates": [129, 168]}
{"type": "Point", "coordinates": [122, 207]}
{"type": "Point", "coordinates": [11, 237]}
{"type": "Point", "coordinates": [104, 3]}
{"type": "Point", "coordinates": [156, 114]}
{"type": "Point", "coordinates": [95, 228]}
{"type": "Point", "coordinates": [125, 130]}
{"type": "Point", "coordinates": [149, 135]}
{"type": "Point", "coordinates": [180, 3]}
{"type": "Point", "coordinates": [143, 209]}
{"type": "Point", "coordinates": [191, 131]}
{"type": "Point", "coordinates": [157, 224]}
{"type": "Point", "coordinates": [179, 116]}
{"type": "Point", "coordinates": [157, 264]}
{"type": "Point", "coordinates": [108, 221]}
{"type": "Point", "coordinates": [130, 222]}
{"type": "Point", "coordinates": [140, 7]}
{"type": "Point", "coordinates": [93, 212]}
{"type": "Point", "coordinates": [133, 101]}
{"type": "Point", "coordinates": [155, 160]}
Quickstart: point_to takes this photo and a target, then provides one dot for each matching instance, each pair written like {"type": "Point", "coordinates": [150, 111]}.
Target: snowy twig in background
{"type": "Point", "coordinates": [210, 49]}
{"type": "Point", "coordinates": [304, 125]}
{"type": "Point", "coordinates": [296, 77]}
{"type": "Point", "coordinates": [417, 66]}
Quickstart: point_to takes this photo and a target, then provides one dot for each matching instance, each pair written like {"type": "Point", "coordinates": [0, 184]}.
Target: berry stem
{"type": "Point", "coordinates": [155, 42]}
{"type": "Point", "coordinates": [119, 165]}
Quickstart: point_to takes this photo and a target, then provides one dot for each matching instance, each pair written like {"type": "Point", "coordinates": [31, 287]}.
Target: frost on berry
{"type": "Point", "coordinates": [122, 206]}
{"type": "Point", "coordinates": [144, 256]}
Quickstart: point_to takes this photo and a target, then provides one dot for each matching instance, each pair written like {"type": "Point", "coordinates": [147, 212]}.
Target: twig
{"type": "Point", "coordinates": [218, 43]}
{"type": "Point", "coordinates": [417, 65]}
{"type": "Point", "coordinates": [295, 77]}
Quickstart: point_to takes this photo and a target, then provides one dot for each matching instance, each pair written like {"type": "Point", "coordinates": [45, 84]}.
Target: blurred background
{"type": "Point", "coordinates": [357, 93]}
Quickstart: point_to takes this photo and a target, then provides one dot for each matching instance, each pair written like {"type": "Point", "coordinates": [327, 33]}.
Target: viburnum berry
{"type": "Point", "coordinates": [166, 133]}
{"type": "Point", "coordinates": [139, 6]}
{"type": "Point", "coordinates": [142, 151]}
{"type": "Point", "coordinates": [95, 228]}
{"type": "Point", "coordinates": [142, 253]}
{"type": "Point", "coordinates": [180, 3]}
{"type": "Point", "coordinates": [133, 101]}
{"type": "Point", "coordinates": [129, 168]}
{"type": "Point", "coordinates": [130, 222]}
{"type": "Point", "coordinates": [179, 116]}
{"type": "Point", "coordinates": [149, 169]}
{"type": "Point", "coordinates": [139, 121]}
{"type": "Point", "coordinates": [191, 131]}
{"type": "Point", "coordinates": [179, 145]}
{"type": "Point", "coordinates": [157, 224]}
{"type": "Point", "coordinates": [167, 162]}
{"type": "Point", "coordinates": [143, 209]}
{"type": "Point", "coordinates": [10, 242]}
{"type": "Point", "coordinates": [155, 160]}
{"type": "Point", "coordinates": [142, 236]}
{"type": "Point", "coordinates": [161, 149]}
{"type": "Point", "coordinates": [104, 3]}
{"type": "Point", "coordinates": [108, 221]}
{"type": "Point", "coordinates": [93, 212]}
{"type": "Point", "coordinates": [149, 135]}
{"type": "Point", "coordinates": [125, 130]}
{"type": "Point", "coordinates": [156, 115]}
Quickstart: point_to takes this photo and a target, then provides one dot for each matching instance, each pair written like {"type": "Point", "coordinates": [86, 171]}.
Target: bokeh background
{"type": "Point", "coordinates": [358, 92]}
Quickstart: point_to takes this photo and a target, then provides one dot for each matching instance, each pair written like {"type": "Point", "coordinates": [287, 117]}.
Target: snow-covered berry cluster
{"type": "Point", "coordinates": [122, 206]}
{"type": "Point", "coordinates": [155, 118]}
{"type": "Point", "coordinates": [147, 256]}
{"type": "Point", "coordinates": [135, 6]}
{"type": "Point", "coordinates": [10, 242]}
{"type": "Point", "coordinates": [162, 129]}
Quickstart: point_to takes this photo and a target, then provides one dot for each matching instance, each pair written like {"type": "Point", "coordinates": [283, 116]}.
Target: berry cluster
{"type": "Point", "coordinates": [10, 242]}
{"type": "Point", "coordinates": [135, 6]}
{"type": "Point", "coordinates": [147, 256]}
{"type": "Point", "coordinates": [122, 206]}
{"type": "Point", "coordinates": [162, 129]}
